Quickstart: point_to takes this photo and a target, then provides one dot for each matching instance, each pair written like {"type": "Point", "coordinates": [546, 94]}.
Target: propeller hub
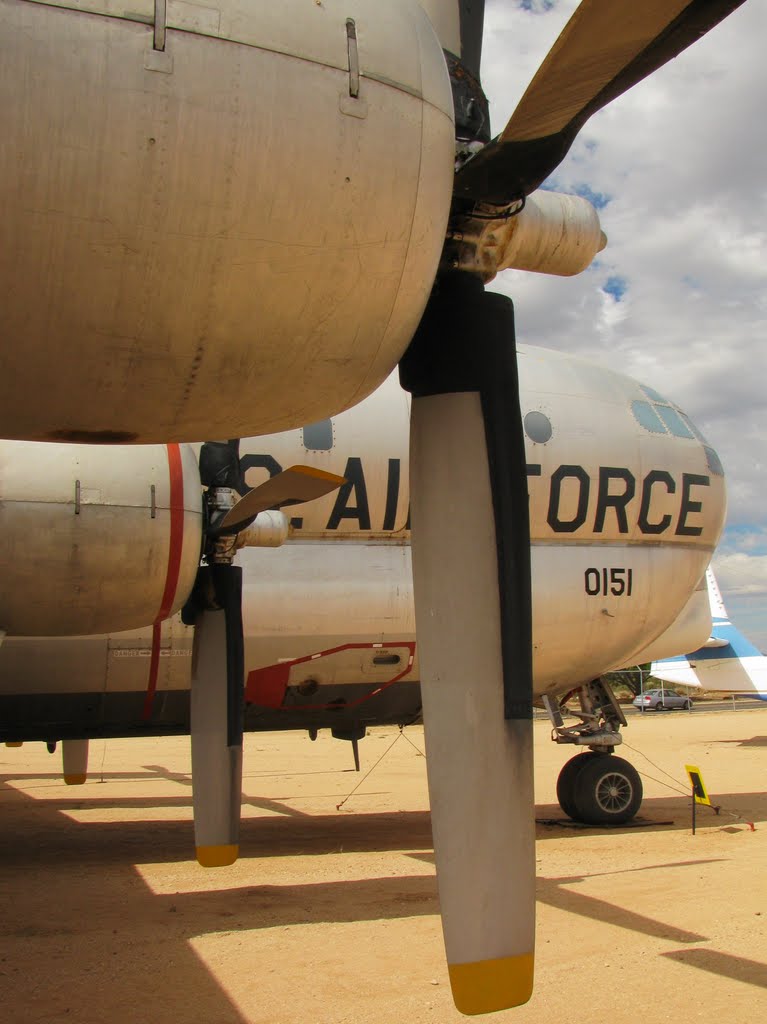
{"type": "Point", "coordinates": [220, 549]}
{"type": "Point", "coordinates": [549, 233]}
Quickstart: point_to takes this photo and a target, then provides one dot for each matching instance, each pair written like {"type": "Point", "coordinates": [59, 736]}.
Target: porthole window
{"type": "Point", "coordinates": [318, 437]}
{"type": "Point", "coordinates": [538, 427]}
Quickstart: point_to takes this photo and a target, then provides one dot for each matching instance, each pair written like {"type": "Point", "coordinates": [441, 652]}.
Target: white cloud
{"type": "Point", "coordinates": [683, 160]}
{"type": "Point", "coordinates": [742, 578]}
{"type": "Point", "coordinates": [742, 573]}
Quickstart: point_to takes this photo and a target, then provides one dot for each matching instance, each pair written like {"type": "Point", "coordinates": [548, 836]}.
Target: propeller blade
{"type": "Point", "coordinates": [291, 487]}
{"type": "Point", "coordinates": [472, 21]}
{"type": "Point", "coordinates": [217, 707]}
{"type": "Point", "coordinates": [471, 569]}
{"type": "Point", "coordinates": [605, 48]}
{"type": "Point", "coordinates": [74, 754]}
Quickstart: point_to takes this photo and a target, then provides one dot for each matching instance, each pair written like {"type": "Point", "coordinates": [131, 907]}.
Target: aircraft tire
{"type": "Point", "coordinates": [608, 791]}
{"type": "Point", "coordinates": [566, 781]}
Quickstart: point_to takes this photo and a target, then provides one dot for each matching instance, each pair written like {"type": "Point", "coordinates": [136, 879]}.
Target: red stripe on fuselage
{"type": "Point", "coordinates": [176, 509]}
{"type": "Point", "coordinates": [154, 665]}
{"type": "Point", "coordinates": [175, 546]}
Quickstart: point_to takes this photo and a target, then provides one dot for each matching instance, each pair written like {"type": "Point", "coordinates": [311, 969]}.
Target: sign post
{"type": "Point", "coordinates": [699, 794]}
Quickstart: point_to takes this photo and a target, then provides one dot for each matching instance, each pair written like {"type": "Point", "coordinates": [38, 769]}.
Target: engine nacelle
{"type": "Point", "coordinates": [218, 220]}
{"type": "Point", "coordinates": [96, 539]}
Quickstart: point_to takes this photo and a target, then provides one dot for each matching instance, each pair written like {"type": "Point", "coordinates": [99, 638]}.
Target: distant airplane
{"type": "Point", "coordinates": [727, 662]}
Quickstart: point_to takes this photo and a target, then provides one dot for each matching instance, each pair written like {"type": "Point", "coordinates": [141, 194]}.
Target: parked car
{"type": "Point", "coordinates": [662, 700]}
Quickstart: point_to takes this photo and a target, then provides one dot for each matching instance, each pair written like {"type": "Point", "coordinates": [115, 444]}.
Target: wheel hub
{"type": "Point", "coordinates": [614, 792]}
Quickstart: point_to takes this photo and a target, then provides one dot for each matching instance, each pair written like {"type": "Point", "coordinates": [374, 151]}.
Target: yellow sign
{"type": "Point", "coordinates": [698, 789]}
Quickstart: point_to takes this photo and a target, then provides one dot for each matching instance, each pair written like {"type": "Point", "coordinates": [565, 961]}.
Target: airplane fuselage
{"type": "Point", "coordinates": [626, 506]}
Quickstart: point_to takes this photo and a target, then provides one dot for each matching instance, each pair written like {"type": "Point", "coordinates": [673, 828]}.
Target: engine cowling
{"type": "Point", "coordinates": [96, 539]}
{"type": "Point", "coordinates": [253, 206]}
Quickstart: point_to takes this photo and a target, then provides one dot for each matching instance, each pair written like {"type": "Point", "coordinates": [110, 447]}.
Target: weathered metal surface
{"type": "Point", "coordinates": [215, 239]}
{"type": "Point", "coordinates": [80, 548]}
{"type": "Point", "coordinates": [551, 233]}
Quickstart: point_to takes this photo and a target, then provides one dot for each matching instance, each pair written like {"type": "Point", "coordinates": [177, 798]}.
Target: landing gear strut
{"type": "Point", "coordinates": [595, 786]}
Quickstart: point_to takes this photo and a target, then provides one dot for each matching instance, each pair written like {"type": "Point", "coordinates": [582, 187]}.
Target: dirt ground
{"type": "Point", "coordinates": [332, 915]}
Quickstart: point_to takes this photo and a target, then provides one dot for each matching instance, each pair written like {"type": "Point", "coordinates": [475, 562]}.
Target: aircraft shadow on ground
{"type": "Point", "coordinates": [737, 968]}
{"type": "Point", "coordinates": [664, 814]}
{"type": "Point", "coordinates": [85, 939]}
{"type": "Point", "coordinates": [754, 741]}
{"type": "Point", "coordinates": [111, 844]}
{"type": "Point", "coordinates": [554, 893]}
{"type": "Point", "coordinates": [54, 852]}
{"type": "Point", "coordinates": [287, 831]}
{"type": "Point", "coordinates": [79, 917]}
{"type": "Point", "coordinates": [105, 843]}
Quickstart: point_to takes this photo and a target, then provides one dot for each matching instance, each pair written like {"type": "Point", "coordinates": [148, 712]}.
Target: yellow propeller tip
{"type": "Point", "coordinates": [486, 986]}
{"type": "Point", "coordinates": [217, 856]}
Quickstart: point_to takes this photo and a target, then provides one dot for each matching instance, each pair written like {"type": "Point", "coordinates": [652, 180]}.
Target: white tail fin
{"type": "Point", "coordinates": [718, 610]}
{"type": "Point", "coordinates": [728, 662]}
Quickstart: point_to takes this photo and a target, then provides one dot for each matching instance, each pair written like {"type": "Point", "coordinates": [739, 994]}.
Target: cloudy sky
{"type": "Point", "coordinates": [678, 167]}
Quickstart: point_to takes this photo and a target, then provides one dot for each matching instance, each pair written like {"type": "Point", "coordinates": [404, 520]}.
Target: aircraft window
{"type": "Point", "coordinates": [692, 427]}
{"type": "Point", "coordinates": [318, 437]}
{"type": "Point", "coordinates": [713, 460]}
{"type": "Point", "coordinates": [647, 417]}
{"type": "Point", "coordinates": [653, 394]}
{"type": "Point", "coordinates": [673, 421]}
{"type": "Point", "coordinates": [538, 427]}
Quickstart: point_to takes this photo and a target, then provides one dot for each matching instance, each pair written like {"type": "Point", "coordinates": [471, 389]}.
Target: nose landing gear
{"type": "Point", "coordinates": [595, 786]}
{"type": "Point", "coordinates": [599, 789]}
